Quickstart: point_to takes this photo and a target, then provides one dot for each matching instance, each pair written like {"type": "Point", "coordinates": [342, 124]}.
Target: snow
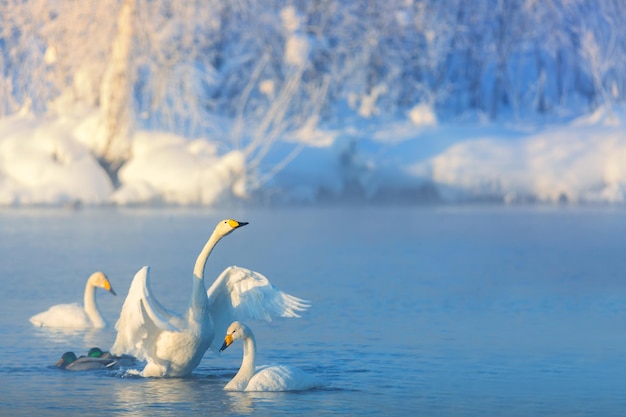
{"type": "Point", "coordinates": [423, 115]}
{"type": "Point", "coordinates": [50, 161]}
{"type": "Point", "coordinates": [167, 168]}
{"type": "Point", "coordinates": [41, 164]}
{"type": "Point", "coordinates": [296, 44]}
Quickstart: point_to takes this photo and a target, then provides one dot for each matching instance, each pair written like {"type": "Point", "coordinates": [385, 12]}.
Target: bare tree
{"type": "Point", "coordinates": [115, 94]}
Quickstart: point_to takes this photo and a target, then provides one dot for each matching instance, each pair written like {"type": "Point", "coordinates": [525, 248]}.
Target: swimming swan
{"type": "Point", "coordinates": [173, 344]}
{"type": "Point", "coordinates": [263, 378]}
{"type": "Point", "coordinates": [70, 362]}
{"type": "Point", "coordinates": [75, 315]}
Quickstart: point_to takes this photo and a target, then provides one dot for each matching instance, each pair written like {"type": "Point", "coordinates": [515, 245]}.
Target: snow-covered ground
{"type": "Point", "coordinates": [49, 161]}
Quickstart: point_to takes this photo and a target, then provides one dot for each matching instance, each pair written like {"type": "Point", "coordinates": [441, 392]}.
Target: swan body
{"type": "Point", "coordinates": [75, 315]}
{"type": "Point", "coordinates": [263, 378]}
{"type": "Point", "coordinates": [70, 362]}
{"type": "Point", "coordinates": [174, 344]}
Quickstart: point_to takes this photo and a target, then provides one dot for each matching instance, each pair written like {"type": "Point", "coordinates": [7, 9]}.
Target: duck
{"type": "Point", "coordinates": [123, 360]}
{"type": "Point", "coordinates": [70, 362]}
{"type": "Point", "coordinates": [263, 378]}
{"type": "Point", "coordinates": [75, 315]}
{"type": "Point", "coordinates": [173, 344]}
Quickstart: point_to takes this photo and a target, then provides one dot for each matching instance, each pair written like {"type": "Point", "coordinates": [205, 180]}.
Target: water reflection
{"type": "Point", "coordinates": [140, 396]}
{"type": "Point", "coordinates": [145, 396]}
{"type": "Point", "coordinates": [240, 402]}
{"type": "Point", "coordinates": [90, 338]}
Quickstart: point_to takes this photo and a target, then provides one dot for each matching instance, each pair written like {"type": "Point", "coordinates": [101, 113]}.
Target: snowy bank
{"type": "Point", "coordinates": [414, 160]}
{"type": "Point", "coordinates": [51, 162]}
{"type": "Point", "coordinates": [581, 162]}
{"type": "Point", "coordinates": [166, 168]}
{"type": "Point", "coordinates": [41, 162]}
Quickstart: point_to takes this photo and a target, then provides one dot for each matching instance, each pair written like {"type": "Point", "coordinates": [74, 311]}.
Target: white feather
{"type": "Point", "coordinates": [240, 294]}
{"type": "Point", "coordinates": [263, 378]}
{"type": "Point", "coordinates": [75, 315]}
{"type": "Point", "coordinates": [141, 319]}
{"type": "Point", "coordinates": [174, 344]}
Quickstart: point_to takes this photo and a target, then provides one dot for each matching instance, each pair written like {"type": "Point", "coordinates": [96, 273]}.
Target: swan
{"type": "Point", "coordinates": [263, 378]}
{"type": "Point", "coordinates": [70, 362]}
{"type": "Point", "coordinates": [173, 344]}
{"type": "Point", "coordinates": [75, 315]}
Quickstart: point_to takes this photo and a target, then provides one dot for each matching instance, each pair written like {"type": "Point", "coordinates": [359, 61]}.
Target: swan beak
{"type": "Point", "coordinates": [228, 340]}
{"type": "Point", "coordinates": [108, 287]}
{"type": "Point", "coordinates": [235, 224]}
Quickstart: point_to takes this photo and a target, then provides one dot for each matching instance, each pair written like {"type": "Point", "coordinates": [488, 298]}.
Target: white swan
{"type": "Point", "coordinates": [173, 344]}
{"type": "Point", "coordinates": [75, 315]}
{"type": "Point", "coordinates": [263, 378]}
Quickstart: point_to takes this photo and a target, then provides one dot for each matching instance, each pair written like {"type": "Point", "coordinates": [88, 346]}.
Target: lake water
{"type": "Point", "coordinates": [429, 311]}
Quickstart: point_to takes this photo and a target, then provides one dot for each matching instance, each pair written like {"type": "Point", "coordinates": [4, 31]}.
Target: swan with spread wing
{"type": "Point", "coordinates": [174, 344]}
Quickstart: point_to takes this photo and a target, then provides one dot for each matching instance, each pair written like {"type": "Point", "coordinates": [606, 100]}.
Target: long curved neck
{"type": "Point", "coordinates": [91, 308]}
{"type": "Point", "coordinates": [248, 364]}
{"type": "Point", "coordinates": [199, 299]}
{"type": "Point", "coordinates": [198, 269]}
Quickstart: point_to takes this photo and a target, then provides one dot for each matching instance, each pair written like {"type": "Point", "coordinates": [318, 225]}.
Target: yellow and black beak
{"type": "Point", "coordinates": [59, 362]}
{"type": "Point", "coordinates": [235, 224]}
{"type": "Point", "coordinates": [228, 340]}
{"type": "Point", "coordinates": [108, 287]}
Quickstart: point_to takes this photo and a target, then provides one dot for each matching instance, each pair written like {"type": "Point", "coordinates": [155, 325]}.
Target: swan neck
{"type": "Point", "coordinates": [199, 300]}
{"type": "Point", "coordinates": [198, 270]}
{"type": "Point", "coordinates": [91, 308]}
{"type": "Point", "coordinates": [248, 364]}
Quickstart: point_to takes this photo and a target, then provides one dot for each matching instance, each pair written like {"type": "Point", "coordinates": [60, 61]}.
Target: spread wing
{"type": "Point", "coordinates": [241, 294]}
{"type": "Point", "coordinates": [142, 319]}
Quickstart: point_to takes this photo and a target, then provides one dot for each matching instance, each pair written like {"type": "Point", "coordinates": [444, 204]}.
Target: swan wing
{"type": "Point", "coordinates": [142, 319]}
{"type": "Point", "coordinates": [282, 378]}
{"type": "Point", "coordinates": [240, 294]}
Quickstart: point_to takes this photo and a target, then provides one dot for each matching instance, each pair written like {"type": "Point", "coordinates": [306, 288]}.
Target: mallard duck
{"type": "Point", "coordinates": [122, 360]}
{"type": "Point", "coordinates": [70, 362]}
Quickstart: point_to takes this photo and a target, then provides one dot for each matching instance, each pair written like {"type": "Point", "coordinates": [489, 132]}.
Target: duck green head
{"type": "Point", "coordinates": [66, 359]}
{"type": "Point", "coordinates": [94, 352]}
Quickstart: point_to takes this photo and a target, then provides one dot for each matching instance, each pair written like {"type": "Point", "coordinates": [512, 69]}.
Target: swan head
{"type": "Point", "coordinates": [66, 359]}
{"type": "Point", "coordinates": [226, 227]}
{"type": "Point", "coordinates": [236, 331]}
{"type": "Point", "coordinates": [99, 279]}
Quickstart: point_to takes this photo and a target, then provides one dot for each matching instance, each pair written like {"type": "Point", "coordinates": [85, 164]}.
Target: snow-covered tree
{"type": "Point", "coordinates": [162, 64]}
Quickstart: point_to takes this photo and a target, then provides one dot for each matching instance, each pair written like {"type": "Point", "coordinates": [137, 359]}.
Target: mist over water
{"type": "Point", "coordinates": [448, 310]}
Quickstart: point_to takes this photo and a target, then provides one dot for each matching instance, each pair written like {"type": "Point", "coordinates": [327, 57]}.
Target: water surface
{"type": "Point", "coordinates": [416, 311]}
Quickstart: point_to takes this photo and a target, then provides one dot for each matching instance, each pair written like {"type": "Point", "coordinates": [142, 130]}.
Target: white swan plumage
{"type": "Point", "coordinates": [174, 344]}
{"type": "Point", "coordinates": [242, 294]}
{"type": "Point", "coordinates": [263, 378]}
{"type": "Point", "coordinates": [75, 315]}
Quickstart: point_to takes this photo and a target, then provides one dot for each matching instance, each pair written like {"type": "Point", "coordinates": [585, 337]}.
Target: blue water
{"type": "Point", "coordinates": [433, 311]}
